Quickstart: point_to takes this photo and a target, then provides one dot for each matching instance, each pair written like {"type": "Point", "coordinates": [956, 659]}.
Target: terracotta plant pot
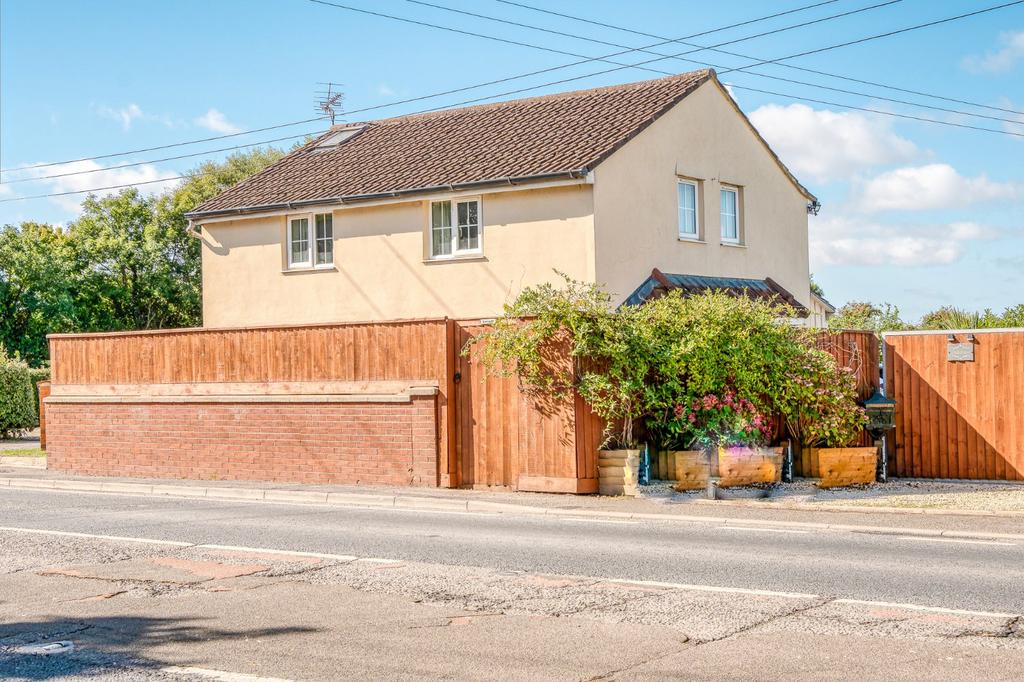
{"type": "Point", "coordinates": [836, 467]}
{"type": "Point", "coordinates": [618, 472]}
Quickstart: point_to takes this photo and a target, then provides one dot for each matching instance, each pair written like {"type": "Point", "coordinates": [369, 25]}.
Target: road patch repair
{"type": "Point", "coordinates": [189, 611]}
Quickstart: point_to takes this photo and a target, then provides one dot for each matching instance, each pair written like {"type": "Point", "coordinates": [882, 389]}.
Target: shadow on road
{"type": "Point", "coordinates": [106, 644]}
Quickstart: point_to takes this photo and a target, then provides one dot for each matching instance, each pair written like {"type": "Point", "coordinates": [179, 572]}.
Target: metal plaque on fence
{"type": "Point", "coordinates": [960, 352]}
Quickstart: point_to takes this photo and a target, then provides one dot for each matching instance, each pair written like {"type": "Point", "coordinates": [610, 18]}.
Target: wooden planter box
{"type": "Point", "coordinates": [618, 472]}
{"type": "Point", "coordinates": [835, 467]}
{"type": "Point", "coordinates": [736, 466]}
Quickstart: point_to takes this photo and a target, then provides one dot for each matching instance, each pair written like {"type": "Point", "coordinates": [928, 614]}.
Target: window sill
{"type": "Point", "coordinates": [456, 259]}
{"type": "Point", "coordinates": [688, 240]}
{"type": "Point", "coordinates": [734, 245]}
{"type": "Point", "coordinates": [307, 270]}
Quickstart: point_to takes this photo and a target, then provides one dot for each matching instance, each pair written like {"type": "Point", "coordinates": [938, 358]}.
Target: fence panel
{"type": "Point", "coordinates": [506, 438]}
{"type": "Point", "coordinates": [957, 418]}
{"type": "Point", "coordinates": [160, 360]}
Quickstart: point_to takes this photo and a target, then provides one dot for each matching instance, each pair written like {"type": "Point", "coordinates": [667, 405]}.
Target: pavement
{"type": "Point", "coordinates": [686, 509]}
{"type": "Point", "coordinates": [29, 442]}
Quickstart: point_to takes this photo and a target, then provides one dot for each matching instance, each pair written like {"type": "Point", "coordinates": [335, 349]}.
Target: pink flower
{"type": "Point", "coordinates": [693, 417]}
{"type": "Point", "coordinates": [679, 409]}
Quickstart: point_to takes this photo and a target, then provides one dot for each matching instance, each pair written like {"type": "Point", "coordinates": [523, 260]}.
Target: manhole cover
{"type": "Point", "coordinates": [46, 648]}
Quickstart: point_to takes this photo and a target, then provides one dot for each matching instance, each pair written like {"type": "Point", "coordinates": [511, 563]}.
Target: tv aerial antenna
{"type": "Point", "coordinates": [330, 100]}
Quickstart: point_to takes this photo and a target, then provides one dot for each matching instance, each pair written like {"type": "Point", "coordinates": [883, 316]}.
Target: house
{"type": "Point", "coordinates": [451, 213]}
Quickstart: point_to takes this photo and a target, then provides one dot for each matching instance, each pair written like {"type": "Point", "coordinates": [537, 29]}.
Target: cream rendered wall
{"type": "Point", "coordinates": [635, 203]}
{"type": "Point", "coordinates": [381, 270]}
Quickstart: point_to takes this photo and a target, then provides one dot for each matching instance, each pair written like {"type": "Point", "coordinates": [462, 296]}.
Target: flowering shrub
{"type": "Point", "coordinates": [712, 421]}
{"type": "Point", "coordinates": [822, 400]}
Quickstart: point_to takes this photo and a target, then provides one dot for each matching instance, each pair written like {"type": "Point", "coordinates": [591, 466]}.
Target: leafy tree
{"type": "Point", "coordinates": [868, 316]}
{"type": "Point", "coordinates": [816, 288]}
{"type": "Point", "coordinates": [37, 281]}
{"type": "Point", "coordinates": [1014, 316]}
{"type": "Point", "coordinates": [949, 317]}
{"type": "Point", "coordinates": [127, 262]}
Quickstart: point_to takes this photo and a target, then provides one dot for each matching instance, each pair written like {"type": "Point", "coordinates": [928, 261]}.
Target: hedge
{"type": "Point", "coordinates": [38, 374]}
{"type": "Point", "coordinates": [17, 406]}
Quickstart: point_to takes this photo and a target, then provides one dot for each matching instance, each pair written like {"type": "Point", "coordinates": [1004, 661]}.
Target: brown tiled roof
{"type": "Point", "coordinates": [554, 135]}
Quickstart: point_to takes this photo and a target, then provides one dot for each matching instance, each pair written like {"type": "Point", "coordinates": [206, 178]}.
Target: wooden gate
{"type": "Point", "coordinates": [504, 438]}
{"type": "Point", "coordinates": [959, 403]}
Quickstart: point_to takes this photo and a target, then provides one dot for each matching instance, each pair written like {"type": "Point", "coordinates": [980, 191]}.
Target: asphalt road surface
{"type": "Point", "coordinates": [948, 573]}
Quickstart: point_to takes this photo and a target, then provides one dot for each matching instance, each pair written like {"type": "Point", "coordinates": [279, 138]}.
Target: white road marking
{"type": "Point", "coordinates": [766, 530]}
{"type": "Point", "coordinates": [713, 588]}
{"type": "Point", "coordinates": [283, 552]}
{"type": "Point", "coordinates": [577, 519]}
{"type": "Point", "coordinates": [221, 675]}
{"type": "Point", "coordinates": [930, 609]}
{"type": "Point", "coordinates": [91, 536]}
{"type": "Point", "coordinates": [640, 583]}
{"type": "Point", "coordinates": [925, 538]}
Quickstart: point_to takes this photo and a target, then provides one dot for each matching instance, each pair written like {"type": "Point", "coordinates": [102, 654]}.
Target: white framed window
{"type": "Point", "coordinates": [310, 241]}
{"type": "Point", "coordinates": [689, 223]}
{"type": "Point", "coordinates": [324, 254]}
{"type": "Point", "coordinates": [730, 201]}
{"type": "Point", "coordinates": [455, 228]}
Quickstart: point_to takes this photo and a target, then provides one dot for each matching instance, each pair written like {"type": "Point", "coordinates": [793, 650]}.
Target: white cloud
{"type": "Point", "coordinates": [217, 122]}
{"type": "Point", "coordinates": [852, 241]}
{"type": "Point", "coordinates": [386, 90]}
{"type": "Point", "coordinates": [999, 60]}
{"type": "Point", "coordinates": [125, 115]}
{"type": "Point", "coordinates": [828, 145]}
{"type": "Point", "coordinates": [103, 177]}
{"type": "Point", "coordinates": [932, 186]}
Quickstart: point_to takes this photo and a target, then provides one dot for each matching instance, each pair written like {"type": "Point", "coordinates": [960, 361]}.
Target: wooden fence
{"type": "Point", "coordinates": [957, 418]}
{"type": "Point", "coordinates": [490, 434]}
{"type": "Point", "coordinates": [860, 351]}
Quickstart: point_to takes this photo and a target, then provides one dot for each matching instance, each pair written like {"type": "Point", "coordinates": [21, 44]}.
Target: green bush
{"type": "Point", "coordinates": [710, 368]}
{"type": "Point", "coordinates": [17, 407]}
{"type": "Point", "coordinates": [38, 374]}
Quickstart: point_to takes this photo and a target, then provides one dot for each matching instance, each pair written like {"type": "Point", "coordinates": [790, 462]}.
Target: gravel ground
{"type": "Point", "coordinates": [906, 494]}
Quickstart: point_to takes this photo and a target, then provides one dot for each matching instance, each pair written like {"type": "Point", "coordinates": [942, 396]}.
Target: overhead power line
{"type": "Point", "coordinates": [788, 66]}
{"type": "Point", "coordinates": [419, 98]}
{"type": "Point", "coordinates": [159, 147]}
{"type": "Point", "coordinates": [166, 158]}
{"type": "Point", "coordinates": [626, 66]}
{"type": "Point", "coordinates": [95, 189]}
{"type": "Point", "coordinates": [643, 64]}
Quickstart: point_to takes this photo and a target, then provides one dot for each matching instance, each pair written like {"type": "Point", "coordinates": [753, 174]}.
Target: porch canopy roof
{"type": "Point", "coordinates": [659, 283]}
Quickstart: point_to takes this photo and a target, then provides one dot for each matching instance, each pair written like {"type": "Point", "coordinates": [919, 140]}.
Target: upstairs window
{"type": "Point", "coordinates": [689, 227]}
{"type": "Point", "coordinates": [311, 241]}
{"type": "Point", "coordinates": [324, 239]}
{"type": "Point", "coordinates": [454, 228]}
{"type": "Point", "coordinates": [730, 215]}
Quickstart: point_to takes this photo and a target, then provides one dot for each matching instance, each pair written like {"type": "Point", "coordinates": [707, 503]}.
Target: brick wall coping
{"type": "Point", "coordinates": [271, 392]}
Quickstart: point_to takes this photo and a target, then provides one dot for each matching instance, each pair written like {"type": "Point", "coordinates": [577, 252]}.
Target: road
{"type": "Point", "coordinates": [960, 574]}
{"type": "Point", "coordinates": [150, 588]}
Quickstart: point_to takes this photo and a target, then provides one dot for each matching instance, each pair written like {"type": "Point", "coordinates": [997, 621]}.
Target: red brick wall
{"type": "Point", "coordinates": [372, 443]}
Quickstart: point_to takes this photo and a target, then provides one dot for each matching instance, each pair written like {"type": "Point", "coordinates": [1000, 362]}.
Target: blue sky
{"type": "Point", "coordinates": [914, 213]}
